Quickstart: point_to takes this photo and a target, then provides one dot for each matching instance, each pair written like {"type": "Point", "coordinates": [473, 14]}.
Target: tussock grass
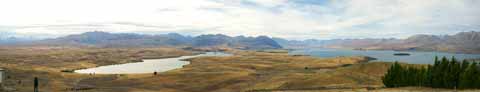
{"type": "Point", "coordinates": [245, 71]}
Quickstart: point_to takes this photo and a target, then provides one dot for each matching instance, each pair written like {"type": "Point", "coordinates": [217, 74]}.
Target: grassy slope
{"type": "Point", "coordinates": [246, 71]}
{"type": "Point", "coordinates": [24, 63]}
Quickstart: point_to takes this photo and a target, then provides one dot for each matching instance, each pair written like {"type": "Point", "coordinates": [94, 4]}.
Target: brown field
{"type": "Point", "coordinates": [245, 71]}
{"type": "Point", "coordinates": [24, 63]}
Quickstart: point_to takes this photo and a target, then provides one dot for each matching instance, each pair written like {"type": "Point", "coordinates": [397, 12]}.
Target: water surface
{"type": "Point", "coordinates": [415, 57]}
{"type": "Point", "coordinates": [147, 66]}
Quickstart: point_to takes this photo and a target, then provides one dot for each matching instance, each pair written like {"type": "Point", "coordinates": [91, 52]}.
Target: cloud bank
{"type": "Point", "coordinates": [293, 19]}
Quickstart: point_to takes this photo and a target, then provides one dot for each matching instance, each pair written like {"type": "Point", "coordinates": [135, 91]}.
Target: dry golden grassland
{"type": "Point", "coordinates": [47, 63]}
{"type": "Point", "coordinates": [245, 71]}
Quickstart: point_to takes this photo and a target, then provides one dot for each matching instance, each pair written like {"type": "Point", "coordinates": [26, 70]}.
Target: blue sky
{"type": "Point", "coordinates": [292, 19]}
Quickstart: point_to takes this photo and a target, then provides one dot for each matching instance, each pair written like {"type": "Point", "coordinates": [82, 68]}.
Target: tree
{"type": "Point", "coordinates": [474, 75]}
{"type": "Point", "coordinates": [447, 73]}
{"type": "Point", "coordinates": [393, 74]}
{"type": "Point", "coordinates": [464, 80]}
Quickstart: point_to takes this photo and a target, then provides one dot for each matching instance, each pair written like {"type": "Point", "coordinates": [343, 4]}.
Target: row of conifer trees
{"type": "Point", "coordinates": [444, 73]}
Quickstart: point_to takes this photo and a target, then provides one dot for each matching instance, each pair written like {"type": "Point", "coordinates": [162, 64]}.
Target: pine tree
{"type": "Point", "coordinates": [465, 80]}
{"type": "Point", "coordinates": [465, 65]}
{"type": "Point", "coordinates": [428, 76]}
{"type": "Point", "coordinates": [444, 70]}
{"type": "Point", "coordinates": [474, 75]}
{"type": "Point", "coordinates": [389, 78]}
{"type": "Point", "coordinates": [449, 75]}
{"type": "Point", "coordinates": [443, 74]}
{"type": "Point", "coordinates": [436, 62]}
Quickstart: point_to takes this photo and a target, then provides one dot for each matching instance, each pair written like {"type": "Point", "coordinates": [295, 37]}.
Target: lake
{"type": "Point", "coordinates": [147, 66]}
{"type": "Point", "coordinates": [415, 57]}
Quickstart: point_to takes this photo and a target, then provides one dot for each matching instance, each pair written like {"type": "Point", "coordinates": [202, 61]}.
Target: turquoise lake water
{"type": "Point", "coordinates": [415, 57]}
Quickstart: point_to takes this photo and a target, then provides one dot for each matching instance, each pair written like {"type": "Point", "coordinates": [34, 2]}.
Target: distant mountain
{"type": "Point", "coordinates": [362, 43]}
{"type": "Point", "coordinates": [463, 42]}
{"type": "Point", "coordinates": [8, 40]}
{"type": "Point", "coordinates": [309, 43]}
{"type": "Point", "coordinates": [261, 42]}
{"type": "Point", "coordinates": [11, 38]}
{"type": "Point", "coordinates": [105, 39]}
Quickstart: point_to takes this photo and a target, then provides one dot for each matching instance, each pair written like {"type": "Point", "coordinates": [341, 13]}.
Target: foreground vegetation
{"type": "Point", "coordinates": [444, 73]}
{"type": "Point", "coordinates": [49, 64]}
{"type": "Point", "coordinates": [245, 71]}
{"type": "Point", "coordinates": [254, 71]}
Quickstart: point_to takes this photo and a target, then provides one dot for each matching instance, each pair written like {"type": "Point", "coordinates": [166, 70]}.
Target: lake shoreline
{"type": "Point", "coordinates": [405, 50]}
{"type": "Point", "coordinates": [152, 65]}
{"type": "Point", "coordinates": [132, 61]}
{"type": "Point", "coordinates": [414, 57]}
{"type": "Point", "coordinates": [232, 73]}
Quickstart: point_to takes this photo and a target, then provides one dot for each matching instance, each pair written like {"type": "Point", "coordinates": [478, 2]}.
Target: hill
{"type": "Point", "coordinates": [105, 39]}
{"type": "Point", "coordinates": [12, 38]}
{"type": "Point", "coordinates": [463, 42]}
{"type": "Point", "coordinates": [260, 42]}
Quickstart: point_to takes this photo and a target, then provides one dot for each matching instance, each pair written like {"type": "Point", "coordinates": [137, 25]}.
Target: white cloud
{"type": "Point", "coordinates": [280, 18]}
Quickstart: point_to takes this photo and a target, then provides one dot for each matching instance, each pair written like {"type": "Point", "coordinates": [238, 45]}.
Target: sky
{"type": "Point", "coordinates": [291, 19]}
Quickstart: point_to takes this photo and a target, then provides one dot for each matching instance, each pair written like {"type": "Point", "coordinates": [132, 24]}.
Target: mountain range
{"type": "Point", "coordinates": [11, 38]}
{"type": "Point", "coordinates": [105, 39]}
{"type": "Point", "coordinates": [463, 42]}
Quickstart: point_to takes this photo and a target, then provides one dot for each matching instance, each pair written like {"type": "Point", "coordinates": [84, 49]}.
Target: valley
{"type": "Point", "coordinates": [249, 71]}
{"type": "Point", "coordinates": [240, 46]}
